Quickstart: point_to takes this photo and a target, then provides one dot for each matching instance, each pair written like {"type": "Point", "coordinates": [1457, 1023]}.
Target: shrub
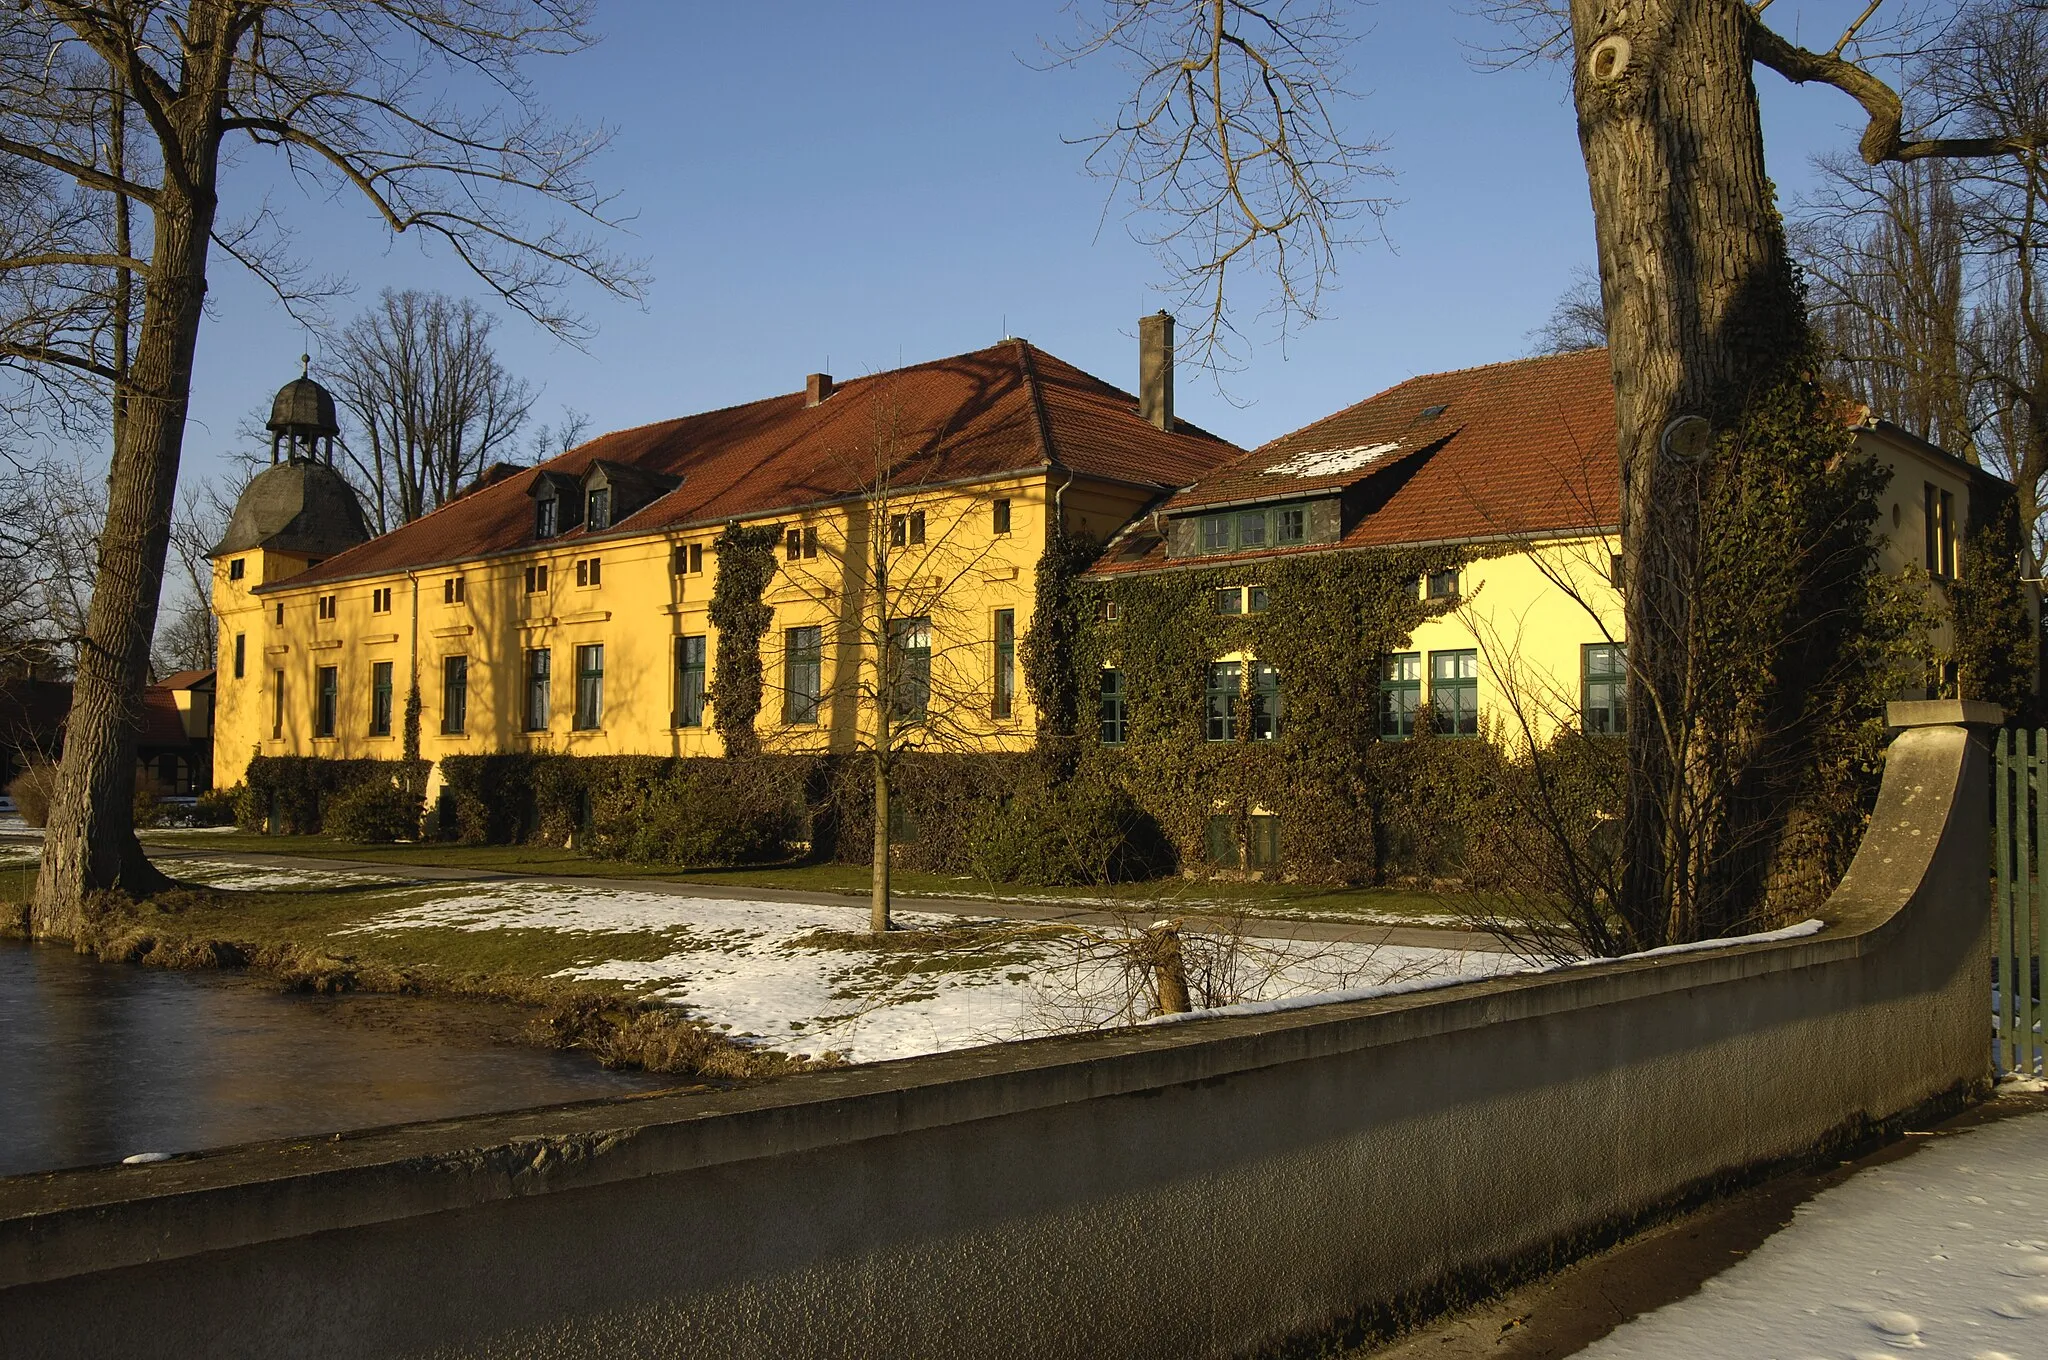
{"type": "Point", "coordinates": [147, 809]}
{"type": "Point", "coordinates": [1086, 831]}
{"type": "Point", "coordinates": [698, 812]}
{"type": "Point", "coordinates": [217, 807]}
{"type": "Point", "coordinates": [373, 813]}
{"type": "Point", "coordinates": [32, 790]}
{"type": "Point", "coordinates": [296, 788]}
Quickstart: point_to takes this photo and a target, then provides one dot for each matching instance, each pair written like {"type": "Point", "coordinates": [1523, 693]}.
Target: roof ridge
{"type": "Point", "coordinates": [1043, 420]}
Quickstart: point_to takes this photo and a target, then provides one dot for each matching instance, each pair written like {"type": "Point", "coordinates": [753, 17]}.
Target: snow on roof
{"type": "Point", "coordinates": [1332, 462]}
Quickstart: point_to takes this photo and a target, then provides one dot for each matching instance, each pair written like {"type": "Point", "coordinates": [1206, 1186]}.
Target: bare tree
{"type": "Point", "coordinates": [1578, 320]}
{"type": "Point", "coordinates": [1232, 145]}
{"type": "Point", "coordinates": [1707, 332]}
{"type": "Point", "coordinates": [911, 659]}
{"type": "Point", "coordinates": [429, 401]}
{"type": "Point", "coordinates": [421, 107]}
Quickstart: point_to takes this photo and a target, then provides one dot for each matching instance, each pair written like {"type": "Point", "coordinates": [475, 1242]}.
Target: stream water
{"type": "Point", "coordinates": [101, 1061]}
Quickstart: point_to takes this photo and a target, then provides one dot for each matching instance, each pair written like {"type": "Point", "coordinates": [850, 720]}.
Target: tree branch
{"type": "Point", "coordinates": [78, 170]}
{"type": "Point", "coordinates": [37, 354]}
{"type": "Point", "coordinates": [1883, 139]}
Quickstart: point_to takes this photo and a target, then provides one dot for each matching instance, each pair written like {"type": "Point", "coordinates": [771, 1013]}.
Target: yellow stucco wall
{"type": "Point", "coordinates": [959, 577]}
{"type": "Point", "coordinates": [1528, 614]}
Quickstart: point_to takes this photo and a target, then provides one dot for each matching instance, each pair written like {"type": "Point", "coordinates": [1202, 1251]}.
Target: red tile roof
{"type": "Point", "coordinates": [184, 679]}
{"type": "Point", "coordinates": [1008, 408]}
{"type": "Point", "coordinates": [1525, 447]}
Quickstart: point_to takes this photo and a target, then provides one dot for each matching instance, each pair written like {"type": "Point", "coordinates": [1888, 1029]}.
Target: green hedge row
{"type": "Point", "coordinates": [293, 795]}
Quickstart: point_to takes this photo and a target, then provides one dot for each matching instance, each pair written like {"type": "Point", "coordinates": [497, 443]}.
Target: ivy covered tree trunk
{"type": "Point", "coordinates": [1704, 316]}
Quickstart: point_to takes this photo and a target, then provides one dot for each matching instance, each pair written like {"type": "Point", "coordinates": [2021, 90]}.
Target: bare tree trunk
{"type": "Point", "coordinates": [1702, 310]}
{"type": "Point", "coordinates": [878, 907]}
{"type": "Point", "coordinates": [90, 843]}
{"type": "Point", "coordinates": [1169, 969]}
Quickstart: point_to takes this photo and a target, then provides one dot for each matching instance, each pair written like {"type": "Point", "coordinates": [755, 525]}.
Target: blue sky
{"type": "Point", "coordinates": [846, 186]}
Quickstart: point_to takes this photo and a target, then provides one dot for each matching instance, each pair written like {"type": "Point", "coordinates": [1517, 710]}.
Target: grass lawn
{"type": "Point", "coordinates": [1294, 901]}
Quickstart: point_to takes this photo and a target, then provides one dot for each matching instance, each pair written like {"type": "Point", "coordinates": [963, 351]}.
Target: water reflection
{"type": "Point", "coordinates": [100, 1061]}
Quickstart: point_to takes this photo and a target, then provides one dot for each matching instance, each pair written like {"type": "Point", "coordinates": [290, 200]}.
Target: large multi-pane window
{"type": "Point", "coordinates": [1114, 718]}
{"type": "Point", "coordinates": [540, 676]}
{"type": "Point", "coordinates": [589, 686]}
{"type": "Point", "coordinates": [911, 641]}
{"type": "Point", "coordinates": [690, 681]}
{"type": "Point", "coordinates": [454, 694]}
{"type": "Point", "coordinates": [1006, 662]}
{"type": "Point", "coordinates": [1249, 530]}
{"type": "Point", "coordinates": [1400, 695]}
{"type": "Point", "coordinates": [326, 699]}
{"type": "Point", "coordinates": [1603, 687]}
{"type": "Point", "coordinates": [380, 699]}
{"type": "Point", "coordinates": [1226, 680]}
{"type": "Point", "coordinates": [1266, 710]}
{"type": "Point", "coordinates": [1454, 693]}
{"type": "Point", "coordinates": [803, 681]}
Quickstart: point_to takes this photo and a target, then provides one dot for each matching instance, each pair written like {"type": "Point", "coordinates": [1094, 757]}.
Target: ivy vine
{"type": "Point", "coordinates": [746, 566]}
{"type": "Point", "coordinates": [1332, 620]}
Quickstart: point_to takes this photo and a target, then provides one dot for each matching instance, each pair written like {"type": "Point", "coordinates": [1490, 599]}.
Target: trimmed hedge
{"type": "Point", "coordinates": [297, 789]}
{"type": "Point", "coordinates": [698, 811]}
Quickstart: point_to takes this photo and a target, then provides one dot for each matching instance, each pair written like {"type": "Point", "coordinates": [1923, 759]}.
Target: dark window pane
{"type": "Point", "coordinates": [380, 699]}
{"type": "Point", "coordinates": [590, 687]}
{"type": "Point", "coordinates": [1230, 600]}
{"type": "Point", "coordinates": [1290, 526]}
{"type": "Point", "coordinates": [1216, 533]}
{"type": "Point", "coordinates": [1266, 711]}
{"type": "Point", "coordinates": [911, 640]}
{"type": "Point", "coordinates": [454, 693]}
{"type": "Point", "coordinates": [1454, 693]}
{"type": "Point", "coordinates": [1400, 695]}
{"type": "Point", "coordinates": [1005, 662]}
{"type": "Point", "coordinates": [327, 692]}
{"type": "Point", "coordinates": [540, 666]}
{"type": "Point", "coordinates": [1002, 517]}
{"type": "Point", "coordinates": [1226, 679]}
{"type": "Point", "coordinates": [1114, 723]}
{"type": "Point", "coordinates": [1219, 842]}
{"type": "Point", "coordinates": [803, 679]}
{"type": "Point", "coordinates": [1265, 841]}
{"type": "Point", "coordinates": [690, 682]}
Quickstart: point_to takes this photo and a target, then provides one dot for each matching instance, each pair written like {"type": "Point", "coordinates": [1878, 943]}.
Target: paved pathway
{"type": "Point", "coordinates": [1378, 932]}
{"type": "Point", "coordinates": [1938, 1241]}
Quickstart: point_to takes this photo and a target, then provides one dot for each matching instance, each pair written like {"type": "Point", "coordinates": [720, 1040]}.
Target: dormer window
{"type": "Point", "coordinates": [546, 516]}
{"type": "Point", "coordinates": [597, 512]}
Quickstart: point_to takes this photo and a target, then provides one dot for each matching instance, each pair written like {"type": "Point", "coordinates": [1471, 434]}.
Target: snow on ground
{"type": "Point", "coordinates": [1945, 1250]}
{"type": "Point", "coordinates": [226, 874]}
{"type": "Point", "coordinates": [800, 978]}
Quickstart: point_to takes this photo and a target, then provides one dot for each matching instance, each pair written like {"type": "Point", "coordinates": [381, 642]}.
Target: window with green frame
{"type": "Point", "coordinates": [1603, 687]}
{"type": "Point", "coordinates": [380, 699]}
{"type": "Point", "coordinates": [1219, 842]}
{"type": "Point", "coordinates": [1115, 722]}
{"type": "Point", "coordinates": [690, 681]}
{"type": "Point", "coordinates": [911, 640]}
{"type": "Point", "coordinates": [1400, 695]}
{"type": "Point", "coordinates": [1266, 706]}
{"type": "Point", "coordinates": [1265, 840]}
{"type": "Point", "coordinates": [1226, 680]}
{"type": "Point", "coordinates": [803, 680]}
{"type": "Point", "coordinates": [1454, 693]}
{"type": "Point", "coordinates": [1250, 530]}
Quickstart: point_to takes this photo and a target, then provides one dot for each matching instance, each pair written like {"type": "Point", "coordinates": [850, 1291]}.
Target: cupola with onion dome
{"type": "Point", "coordinates": [300, 504]}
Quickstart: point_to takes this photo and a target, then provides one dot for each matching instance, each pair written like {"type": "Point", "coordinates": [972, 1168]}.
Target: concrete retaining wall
{"type": "Point", "coordinates": [1203, 1189]}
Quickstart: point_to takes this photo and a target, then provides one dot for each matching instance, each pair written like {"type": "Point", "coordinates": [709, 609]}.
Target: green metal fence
{"type": "Point", "coordinates": [2020, 860]}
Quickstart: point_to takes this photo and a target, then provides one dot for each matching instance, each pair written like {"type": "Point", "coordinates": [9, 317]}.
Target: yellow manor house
{"type": "Point", "coordinates": [565, 607]}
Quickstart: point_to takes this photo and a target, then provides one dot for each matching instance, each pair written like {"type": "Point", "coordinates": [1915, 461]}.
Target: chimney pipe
{"type": "Point", "coordinates": [817, 387]}
{"type": "Point", "coordinates": [1155, 369]}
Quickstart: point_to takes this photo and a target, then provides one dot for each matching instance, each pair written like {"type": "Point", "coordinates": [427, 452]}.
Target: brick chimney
{"type": "Point", "coordinates": [1155, 369]}
{"type": "Point", "coordinates": [817, 387]}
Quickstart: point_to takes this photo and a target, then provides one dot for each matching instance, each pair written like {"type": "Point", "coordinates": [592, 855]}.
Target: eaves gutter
{"type": "Point", "coordinates": [1102, 573]}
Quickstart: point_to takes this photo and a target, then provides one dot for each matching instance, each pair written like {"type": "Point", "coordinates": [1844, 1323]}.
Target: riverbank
{"type": "Point", "coordinates": [723, 983]}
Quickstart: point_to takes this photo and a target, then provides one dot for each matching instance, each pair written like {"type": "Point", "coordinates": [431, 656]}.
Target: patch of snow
{"type": "Point", "coordinates": [1944, 1250]}
{"type": "Point", "coordinates": [233, 877]}
{"type": "Point", "coordinates": [1332, 462]}
{"type": "Point", "coordinates": [1507, 965]}
{"type": "Point", "coordinates": [758, 970]}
